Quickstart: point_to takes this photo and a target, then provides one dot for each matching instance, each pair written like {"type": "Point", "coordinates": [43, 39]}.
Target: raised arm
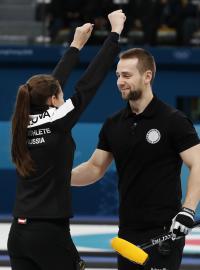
{"type": "Point", "coordinates": [71, 56]}
{"type": "Point", "coordinates": [91, 171]}
{"type": "Point", "coordinates": [89, 83]}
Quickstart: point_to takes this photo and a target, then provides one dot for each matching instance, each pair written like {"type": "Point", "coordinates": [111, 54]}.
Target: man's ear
{"type": "Point", "coordinates": [148, 76]}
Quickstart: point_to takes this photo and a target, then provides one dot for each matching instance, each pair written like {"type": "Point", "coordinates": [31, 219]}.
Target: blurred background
{"type": "Point", "coordinates": [33, 36]}
{"type": "Point", "coordinates": [149, 22]}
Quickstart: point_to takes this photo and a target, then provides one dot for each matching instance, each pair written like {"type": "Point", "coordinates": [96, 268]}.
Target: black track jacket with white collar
{"type": "Point", "coordinates": [46, 193]}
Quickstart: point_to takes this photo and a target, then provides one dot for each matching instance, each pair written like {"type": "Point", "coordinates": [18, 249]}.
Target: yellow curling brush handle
{"type": "Point", "coordinates": [129, 250]}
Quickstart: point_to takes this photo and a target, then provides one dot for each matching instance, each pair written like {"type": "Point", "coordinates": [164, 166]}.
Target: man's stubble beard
{"type": "Point", "coordinates": [133, 95]}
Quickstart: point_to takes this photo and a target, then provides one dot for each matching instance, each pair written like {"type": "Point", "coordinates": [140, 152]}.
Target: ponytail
{"type": "Point", "coordinates": [20, 120]}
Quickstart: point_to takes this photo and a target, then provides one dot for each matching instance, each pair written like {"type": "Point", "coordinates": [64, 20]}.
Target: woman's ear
{"type": "Point", "coordinates": [52, 101]}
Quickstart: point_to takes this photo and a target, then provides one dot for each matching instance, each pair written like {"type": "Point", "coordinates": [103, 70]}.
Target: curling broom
{"type": "Point", "coordinates": [137, 254]}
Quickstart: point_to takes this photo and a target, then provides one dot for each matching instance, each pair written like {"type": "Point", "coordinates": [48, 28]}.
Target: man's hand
{"type": "Point", "coordinates": [117, 19]}
{"type": "Point", "coordinates": [182, 223]}
{"type": "Point", "coordinates": [82, 35]}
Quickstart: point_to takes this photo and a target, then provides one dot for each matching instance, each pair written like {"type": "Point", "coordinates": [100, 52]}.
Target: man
{"type": "Point", "coordinates": [148, 140]}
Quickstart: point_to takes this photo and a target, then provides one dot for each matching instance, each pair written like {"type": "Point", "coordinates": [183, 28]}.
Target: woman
{"type": "Point", "coordinates": [43, 150]}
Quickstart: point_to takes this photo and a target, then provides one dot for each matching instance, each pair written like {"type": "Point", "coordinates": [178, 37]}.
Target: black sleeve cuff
{"type": "Point", "coordinates": [114, 37]}
{"type": "Point", "coordinates": [74, 49]}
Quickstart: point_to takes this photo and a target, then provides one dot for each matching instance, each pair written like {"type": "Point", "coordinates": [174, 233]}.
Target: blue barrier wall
{"type": "Point", "coordinates": [178, 75]}
{"type": "Point", "coordinates": [103, 194]}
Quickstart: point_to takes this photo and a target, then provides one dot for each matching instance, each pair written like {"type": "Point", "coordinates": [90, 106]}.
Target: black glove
{"type": "Point", "coordinates": [182, 223]}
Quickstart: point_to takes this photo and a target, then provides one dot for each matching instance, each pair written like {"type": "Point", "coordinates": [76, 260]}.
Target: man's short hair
{"type": "Point", "coordinates": [145, 60]}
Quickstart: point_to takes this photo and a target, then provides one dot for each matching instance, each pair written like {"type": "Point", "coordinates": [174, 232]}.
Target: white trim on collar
{"type": "Point", "coordinates": [51, 114]}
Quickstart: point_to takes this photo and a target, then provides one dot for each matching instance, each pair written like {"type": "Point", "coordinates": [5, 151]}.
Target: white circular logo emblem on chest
{"type": "Point", "coordinates": [153, 136]}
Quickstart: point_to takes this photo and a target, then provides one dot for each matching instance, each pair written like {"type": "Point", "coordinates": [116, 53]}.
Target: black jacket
{"type": "Point", "coordinates": [46, 194]}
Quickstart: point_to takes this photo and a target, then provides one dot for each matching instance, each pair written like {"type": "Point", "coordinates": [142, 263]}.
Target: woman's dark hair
{"type": "Point", "coordinates": [36, 92]}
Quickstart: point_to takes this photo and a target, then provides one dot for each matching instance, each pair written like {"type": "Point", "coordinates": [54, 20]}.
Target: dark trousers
{"type": "Point", "coordinates": [42, 245]}
{"type": "Point", "coordinates": [166, 256]}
